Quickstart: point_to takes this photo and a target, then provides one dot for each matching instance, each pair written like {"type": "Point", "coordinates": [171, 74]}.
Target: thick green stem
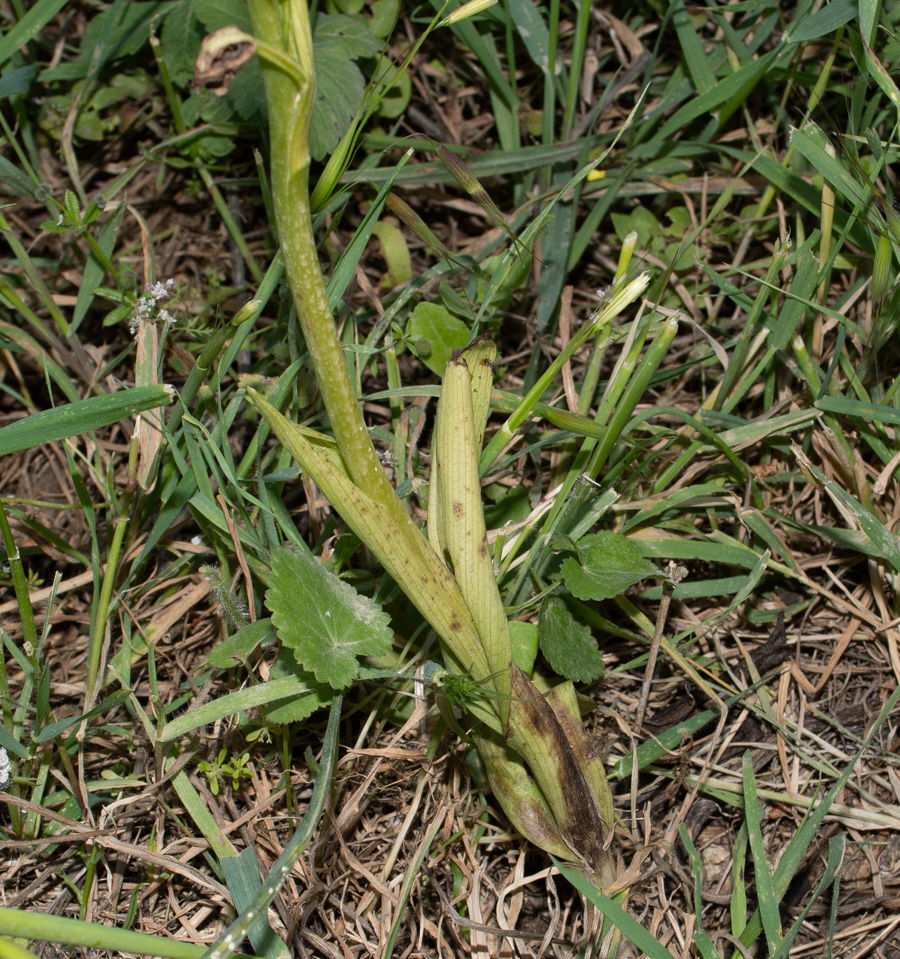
{"type": "Point", "coordinates": [290, 97]}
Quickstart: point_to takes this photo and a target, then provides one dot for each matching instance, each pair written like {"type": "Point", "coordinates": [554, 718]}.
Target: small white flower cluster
{"type": "Point", "coordinates": [147, 304]}
{"type": "Point", "coordinates": [5, 769]}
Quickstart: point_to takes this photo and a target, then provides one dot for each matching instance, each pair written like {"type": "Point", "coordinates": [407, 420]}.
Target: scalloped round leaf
{"type": "Point", "coordinates": [609, 563]}
{"type": "Point", "coordinates": [325, 622]}
{"type": "Point", "coordinates": [567, 644]}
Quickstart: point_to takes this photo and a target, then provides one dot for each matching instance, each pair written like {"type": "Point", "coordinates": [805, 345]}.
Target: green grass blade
{"type": "Point", "coordinates": [837, 846]}
{"type": "Point", "coordinates": [413, 872]}
{"type": "Point", "coordinates": [73, 932]}
{"type": "Point", "coordinates": [29, 27]}
{"type": "Point", "coordinates": [738, 905]}
{"type": "Point", "coordinates": [886, 543]}
{"type": "Point", "coordinates": [627, 925]}
{"type": "Point", "coordinates": [242, 876]}
{"type": "Point", "coordinates": [765, 889]}
{"type": "Point", "coordinates": [52, 730]}
{"type": "Point", "coordinates": [210, 712]}
{"type": "Point", "coordinates": [803, 838]}
{"type": "Point", "coordinates": [227, 944]}
{"type": "Point", "coordinates": [83, 416]}
{"type": "Point", "coordinates": [731, 91]}
{"type": "Point", "coordinates": [694, 54]}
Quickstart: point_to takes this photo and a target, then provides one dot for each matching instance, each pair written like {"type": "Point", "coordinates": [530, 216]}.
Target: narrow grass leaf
{"type": "Point", "coordinates": [12, 745]}
{"type": "Point", "coordinates": [626, 924]}
{"type": "Point", "coordinates": [837, 846]}
{"type": "Point", "coordinates": [344, 271]}
{"type": "Point", "coordinates": [228, 943]}
{"type": "Point", "coordinates": [653, 749]}
{"type": "Point", "coordinates": [880, 74]}
{"type": "Point", "coordinates": [94, 270]}
{"type": "Point", "coordinates": [29, 27]}
{"type": "Point", "coordinates": [52, 730]}
{"type": "Point", "coordinates": [44, 927]}
{"type": "Point", "coordinates": [694, 55]}
{"type": "Point", "coordinates": [738, 904]}
{"type": "Point", "coordinates": [696, 869]}
{"type": "Point", "coordinates": [244, 883]}
{"type": "Point", "coordinates": [731, 91]}
{"type": "Point", "coordinates": [233, 703]}
{"type": "Point", "coordinates": [203, 819]}
{"type": "Point", "coordinates": [701, 940]}
{"type": "Point", "coordinates": [864, 411]}
{"type": "Point", "coordinates": [412, 873]}
{"type": "Point", "coordinates": [656, 544]}
{"type": "Point", "coordinates": [700, 589]}
{"type": "Point", "coordinates": [822, 22]}
{"type": "Point", "coordinates": [809, 144]}
{"type": "Point", "coordinates": [881, 537]}
{"type": "Point", "coordinates": [809, 828]}
{"type": "Point", "coordinates": [765, 891]}
{"type": "Point", "coordinates": [700, 496]}
{"type": "Point", "coordinates": [94, 413]}
{"type": "Point", "coordinates": [533, 32]}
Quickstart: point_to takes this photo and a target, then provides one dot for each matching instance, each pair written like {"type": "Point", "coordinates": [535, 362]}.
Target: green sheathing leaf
{"type": "Point", "coordinates": [460, 517]}
{"type": "Point", "coordinates": [610, 563]}
{"type": "Point", "coordinates": [568, 645]}
{"type": "Point", "coordinates": [323, 620]}
{"type": "Point", "coordinates": [388, 530]}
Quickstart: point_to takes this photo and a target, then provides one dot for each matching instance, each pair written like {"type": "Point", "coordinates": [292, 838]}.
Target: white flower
{"type": "Point", "coordinates": [159, 291]}
{"type": "Point", "coordinates": [5, 769]}
{"type": "Point", "coordinates": [147, 309]}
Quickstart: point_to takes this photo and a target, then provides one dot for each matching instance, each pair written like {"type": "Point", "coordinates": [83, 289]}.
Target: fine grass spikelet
{"type": "Point", "coordinates": [467, 10]}
{"type": "Point", "coordinates": [881, 269]}
{"type": "Point", "coordinates": [233, 608]}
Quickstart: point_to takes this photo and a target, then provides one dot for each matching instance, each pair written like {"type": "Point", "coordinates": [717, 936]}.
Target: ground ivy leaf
{"type": "Point", "coordinates": [246, 92]}
{"type": "Point", "coordinates": [609, 563]}
{"type": "Point", "coordinates": [181, 42]}
{"type": "Point", "coordinates": [324, 621]}
{"type": "Point", "coordinates": [443, 331]}
{"type": "Point", "coordinates": [567, 644]}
